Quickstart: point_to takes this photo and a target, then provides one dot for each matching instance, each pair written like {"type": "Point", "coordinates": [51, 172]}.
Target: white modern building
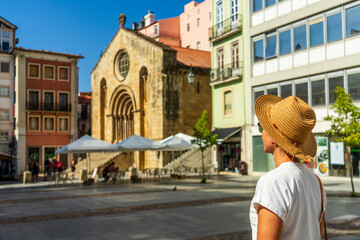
{"type": "Point", "coordinates": [305, 48]}
{"type": "Point", "coordinates": [7, 41]}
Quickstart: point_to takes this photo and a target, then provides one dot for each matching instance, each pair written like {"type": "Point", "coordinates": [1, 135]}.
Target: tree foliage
{"type": "Point", "coordinates": [203, 136]}
{"type": "Point", "coordinates": [345, 123]}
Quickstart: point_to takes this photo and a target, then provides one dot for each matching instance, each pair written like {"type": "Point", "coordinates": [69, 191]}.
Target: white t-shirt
{"type": "Point", "coordinates": [292, 192]}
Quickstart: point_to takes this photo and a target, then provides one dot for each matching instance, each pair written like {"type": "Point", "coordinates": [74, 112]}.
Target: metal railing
{"type": "Point", "coordinates": [221, 28]}
{"type": "Point", "coordinates": [233, 69]}
{"type": "Point", "coordinates": [48, 107]}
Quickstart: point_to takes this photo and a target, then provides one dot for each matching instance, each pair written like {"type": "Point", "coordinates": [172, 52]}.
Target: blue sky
{"type": "Point", "coordinates": [80, 26]}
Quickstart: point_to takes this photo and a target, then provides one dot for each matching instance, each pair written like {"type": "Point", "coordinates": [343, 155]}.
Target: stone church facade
{"type": "Point", "coordinates": [140, 86]}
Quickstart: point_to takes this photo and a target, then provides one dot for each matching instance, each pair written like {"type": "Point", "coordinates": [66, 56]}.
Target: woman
{"type": "Point", "coordinates": [287, 203]}
{"type": "Point", "coordinates": [73, 168]}
{"type": "Point", "coordinates": [35, 170]}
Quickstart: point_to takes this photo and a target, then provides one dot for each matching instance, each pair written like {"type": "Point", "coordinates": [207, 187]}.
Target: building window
{"type": "Point", "coordinates": [49, 72]}
{"type": "Point", "coordinates": [352, 21]}
{"type": "Point", "coordinates": [259, 50]}
{"type": "Point", "coordinates": [272, 91]}
{"type": "Point", "coordinates": [188, 27]}
{"type": "Point", "coordinates": [4, 40]}
{"type": "Point", "coordinates": [334, 27]}
{"type": "Point", "coordinates": [228, 102]}
{"type": "Point", "coordinates": [4, 67]}
{"type": "Point", "coordinates": [258, 94]}
{"type": "Point", "coordinates": [63, 102]}
{"type": "Point", "coordinates": [49, 101]}
{"type": "Point", "coordinates": [285, 42]}
{"type": "Point", "coordinates": [318, 93]}
{"type": "Point", "coordinates": [302, 91]}
{"type": "Point", "coordinates": [4, 114]}
{"type": "Point", "coordinates": [333, 83]}
{"type": "Point", "coordinates": [219, 16]}
{"type": "Point", "coordinates": [198, 45]}
{"type": "Point", "coordinates": [269, 2]}
{"type": "Point", "coordinates": [34, 123]}
{"type": "Point", "coordinates": [316, 32]}
{"type": "Point", "coordinates": [286, 90]}
{"type": "Point", "coordinates": [63, 124]}
{"type": "Point", "coordinates": [4, 136]}
{"type": "Point", "coordinates": [34, 71]}
{"type": "Point", "coordinates": [34, 100]}
{"type": "Point", "coordinates": [124, 64]}
{"type": "Point", "coordinates": [234, 10]}
{"type": "Point", "coordinates": [300, 37]}
{"type": "Point", "coordinates": [156, 30]}
{"type": "Point", "coordinates": [354, 86]}
{"type": "Point", "coordinates": [210, 16]}
{"type": "Point", "coordinates": [4, 91]}
{"type": "Point", "coordinates": [257, 5]}
{"type": "Point", "coordinates": [64, 73]}
{"type": "Point", "coordinates": [235, 55]}
{"type": "Point", "coordinates": [220, 58]}
{"type": "Point", "coordinates": [198, 22]}
{"type": "Point", "coordinates": [270, 46]}
{"type": "Point", "coordinates": [49, 123]}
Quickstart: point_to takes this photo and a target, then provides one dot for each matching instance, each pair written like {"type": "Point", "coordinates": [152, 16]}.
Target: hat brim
{"type": "Point", "coordinates": [304, 151]}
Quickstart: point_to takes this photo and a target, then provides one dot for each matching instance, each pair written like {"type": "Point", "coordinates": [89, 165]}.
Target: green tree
{"type": "Point", "coordinates": [203, 138]}
{"type": "Point", "coordinates": [345, 124]}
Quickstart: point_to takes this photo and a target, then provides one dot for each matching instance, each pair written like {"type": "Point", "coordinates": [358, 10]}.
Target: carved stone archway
{"type": "Point", "coordinates": [122, 107]}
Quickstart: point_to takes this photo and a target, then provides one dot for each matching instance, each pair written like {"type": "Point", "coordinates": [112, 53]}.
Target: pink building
{"type": "Point", "coordinates": [194, 24]}
{"type": "Point", "coordinates": [166, 31]}
{"type": "Point", "coordinates": [189, 30]}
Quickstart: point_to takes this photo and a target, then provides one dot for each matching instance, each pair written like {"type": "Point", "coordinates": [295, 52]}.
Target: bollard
{"type": "Point", "coordinates": [27, 177]}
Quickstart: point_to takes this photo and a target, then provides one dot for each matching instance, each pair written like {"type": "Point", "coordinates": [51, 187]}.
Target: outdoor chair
{"type": "Point", "coordinates": [63, 178]}
{"type": "Point", "coordinates": [112, 177]}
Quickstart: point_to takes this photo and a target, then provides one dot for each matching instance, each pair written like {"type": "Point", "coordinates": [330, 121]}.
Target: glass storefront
{"type": "Point", "coordinates": [229, 154]}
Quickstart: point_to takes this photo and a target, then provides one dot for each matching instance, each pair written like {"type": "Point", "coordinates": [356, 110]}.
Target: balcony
{"type": "Point", "coordinates": [227, 73]}
{"type": "Point", "coordinates": [30, 106]}
{"type": "Point", "coordinates": [221, 29]}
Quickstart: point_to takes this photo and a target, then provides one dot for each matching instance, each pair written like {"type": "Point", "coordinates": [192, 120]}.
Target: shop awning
{"type": "Point", "coordinates": [226, 133]}
{"type": "Point", "coordinates": [5, 156]}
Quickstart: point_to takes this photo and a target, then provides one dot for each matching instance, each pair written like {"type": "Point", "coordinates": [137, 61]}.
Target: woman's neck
{"type": "Point", "coordinates": [281, 157]}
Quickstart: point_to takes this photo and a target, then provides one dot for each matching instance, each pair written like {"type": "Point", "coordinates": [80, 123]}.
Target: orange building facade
{"type": "Point", "coordinates": [45, 111]}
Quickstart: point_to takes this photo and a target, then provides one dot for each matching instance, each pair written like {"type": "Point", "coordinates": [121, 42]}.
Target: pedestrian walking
{"type": "Point", "coordinates": [73, 168]}
{"type": "Point", "coordinates": [35, 170]}
{"type": "Point", "coordinates": [289, 200]}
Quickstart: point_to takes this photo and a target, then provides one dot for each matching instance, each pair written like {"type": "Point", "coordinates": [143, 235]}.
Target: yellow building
{"type": "Point", "coordinates": [140, 86]}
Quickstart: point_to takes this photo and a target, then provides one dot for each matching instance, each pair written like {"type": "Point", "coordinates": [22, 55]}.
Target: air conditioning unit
{"type": "Point", "coordinates": [214, 75]}
{"type": "Point", "coordinates": [227, 73]}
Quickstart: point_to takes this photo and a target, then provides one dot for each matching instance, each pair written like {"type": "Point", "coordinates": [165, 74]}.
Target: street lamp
{"type": "Point", "coordinates": [191, 76]}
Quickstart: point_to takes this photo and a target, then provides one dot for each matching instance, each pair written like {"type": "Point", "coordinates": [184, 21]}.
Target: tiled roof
{"type": "Point", "coordinates": [47, 52]}
{"type": "Point", "coordinates": [196, 58]}
{"type": "Point", "coordinates": [164, 46]}
{"type": "Point", "coordinates": [84, 99]}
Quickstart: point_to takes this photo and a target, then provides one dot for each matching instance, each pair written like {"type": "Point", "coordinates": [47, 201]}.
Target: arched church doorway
{"type": "Point", "coordinates": [122, 115]}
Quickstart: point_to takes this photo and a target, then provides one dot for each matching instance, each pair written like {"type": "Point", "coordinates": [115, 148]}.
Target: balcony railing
{"type": "Point", "coordinates": [221, 28]}
{"type": "Point", "coordinates": [48, 107]}
{"type": "Point", "coordinates": [227, 71]}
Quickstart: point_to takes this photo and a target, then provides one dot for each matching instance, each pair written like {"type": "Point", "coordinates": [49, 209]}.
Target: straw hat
{"type": "Point", "coordinates": [289, 123]}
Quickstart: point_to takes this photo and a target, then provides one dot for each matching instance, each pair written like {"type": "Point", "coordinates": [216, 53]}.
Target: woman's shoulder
{"type": "Point", "coordinates": [284, 172]}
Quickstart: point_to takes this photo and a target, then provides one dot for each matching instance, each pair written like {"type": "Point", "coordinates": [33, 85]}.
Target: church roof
{"type": "Point", "coordinates": [196, 58]}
